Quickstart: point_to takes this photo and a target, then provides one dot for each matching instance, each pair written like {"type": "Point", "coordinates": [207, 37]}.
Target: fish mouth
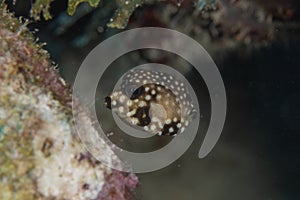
{"type": "Point", "coordinates": [107, 102]}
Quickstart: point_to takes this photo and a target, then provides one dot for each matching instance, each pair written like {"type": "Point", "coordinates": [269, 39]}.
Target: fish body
{"type": "Point", "coordinates": [156, 101]}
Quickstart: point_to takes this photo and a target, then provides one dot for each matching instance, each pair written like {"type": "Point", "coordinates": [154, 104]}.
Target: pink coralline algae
{"type": "Point", "coordinates": [118, 186]}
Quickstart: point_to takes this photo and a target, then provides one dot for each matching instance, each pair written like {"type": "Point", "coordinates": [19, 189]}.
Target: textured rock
{"type": "Point", "coordinates": [41, 157]}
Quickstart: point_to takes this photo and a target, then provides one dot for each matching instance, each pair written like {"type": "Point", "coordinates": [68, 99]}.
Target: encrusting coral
{"type": "Point", "coordinates": [41, 157]}
{"type": "Point", "coordinates": [119, 20]}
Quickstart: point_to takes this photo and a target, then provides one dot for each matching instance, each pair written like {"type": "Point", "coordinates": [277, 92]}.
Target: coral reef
{"type": "Point", "coordinates": [72, 4]}
{"type": "Point", "coordinates": [41, 7]}
{"type": "Point", "coordinates": [217, 25]}
{"type": "Point", "coordinates": [115, 186]}
{"type": "Point", "coordinates": [119, 20]}
{"type": "Point", "coordinates": [41, 156]}
{"type": "Point", "coordinates": [250, 18]}
{"type": "Point", "coordinates": [124, 10]}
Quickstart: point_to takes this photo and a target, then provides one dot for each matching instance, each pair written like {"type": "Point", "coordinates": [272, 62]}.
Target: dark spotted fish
{"type": "Point", "coordinates": [156, 101]}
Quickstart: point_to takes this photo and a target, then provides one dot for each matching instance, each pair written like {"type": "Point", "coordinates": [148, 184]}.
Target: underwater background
{"type": "Point", "coordinates": [256, 46]}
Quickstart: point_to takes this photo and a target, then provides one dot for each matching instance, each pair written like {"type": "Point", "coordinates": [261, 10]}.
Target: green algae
{"type": "Point", "coordinates": [72, 4]}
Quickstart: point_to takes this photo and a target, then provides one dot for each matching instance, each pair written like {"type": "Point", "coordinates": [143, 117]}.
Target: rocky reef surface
{"type": "Point", "coordinates": [41, 156]}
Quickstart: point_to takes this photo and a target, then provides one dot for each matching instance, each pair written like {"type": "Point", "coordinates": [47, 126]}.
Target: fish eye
{"type": "Point", "coordinates": [128, 89]}
{"type": "Point", "coordinates": [137, 93]}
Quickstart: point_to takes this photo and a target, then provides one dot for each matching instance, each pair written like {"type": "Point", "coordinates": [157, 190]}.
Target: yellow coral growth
{"type": "Point", "coordinates": [72, 4]}
{"type": "Point", "coordinates": [41, 6]}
